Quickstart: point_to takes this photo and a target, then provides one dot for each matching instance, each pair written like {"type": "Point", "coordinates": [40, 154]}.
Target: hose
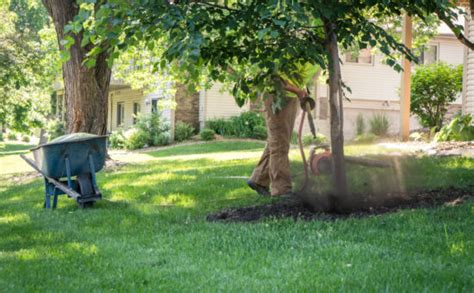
{"type": "Point", "coordinates": [300, 142]}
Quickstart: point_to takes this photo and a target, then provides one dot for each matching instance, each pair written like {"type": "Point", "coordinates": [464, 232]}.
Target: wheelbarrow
{"type": "Point", "coordinates": [69, 165]}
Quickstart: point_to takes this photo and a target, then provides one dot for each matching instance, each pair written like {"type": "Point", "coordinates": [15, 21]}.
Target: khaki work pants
{"type": "Point", "coordinates": [274, 165]}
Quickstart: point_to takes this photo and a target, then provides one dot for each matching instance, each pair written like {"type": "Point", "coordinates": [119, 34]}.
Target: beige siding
{"type": "Point", "coordinates": [127, 97]}
{"type": "Point", "coordinates": [468, 87]}
{"type": "Point", "coordinates": [451, 51]}
{"type": "Point", "coordinates": [372, 82]}
{"type": "Point", "coordinates": [220, 104]}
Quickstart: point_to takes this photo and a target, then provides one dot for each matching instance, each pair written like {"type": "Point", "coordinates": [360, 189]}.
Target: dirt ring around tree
{"type": "Point", "coordinates": [325, 208]}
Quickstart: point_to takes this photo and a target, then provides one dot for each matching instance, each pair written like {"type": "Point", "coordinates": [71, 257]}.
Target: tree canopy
{"type": "Point", "coordinates": [259, 38]}
{"type": "Point", "coordinates": [29, 64]}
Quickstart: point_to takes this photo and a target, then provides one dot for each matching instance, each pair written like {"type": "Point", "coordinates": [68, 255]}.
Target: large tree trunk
{"type": "Point", "coordinates": [86, 89]}
{"type": "Point", "coordinates": [336, 110]}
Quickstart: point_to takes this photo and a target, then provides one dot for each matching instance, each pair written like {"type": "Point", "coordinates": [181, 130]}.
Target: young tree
{"type": "Point", "coordinates": [259, 40]}
{"type": "Point", "coordinates": [86, 87]}
{"type": "Point", "coordinates": [434, 87]}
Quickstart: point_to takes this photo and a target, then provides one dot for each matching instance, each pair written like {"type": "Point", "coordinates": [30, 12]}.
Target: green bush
{"type": "Point", "coordinates": [162, 139]}
{"type": "Point", "coordinates": [379, 124]}
{"type": "Point", "coordinates": [260, 132]}
{"type": "Point", "coordinates": [12, 136]}
{"type": "Point", "coordinates": [360, 125]}
{"type": "Point", "coordinates": [183, 131]}
{"type": "Point", "coordinates": [135, 139]}
{"type": "Point", "coordinates": [55, 128]}
{"type": "Point", "coordinates": [308, 140]}
{"type": "Point", "coordinates": [461, 128]}
{"type": "Point", "coordinates": [221, 126]}
{"type": "Point", "coordinates": [207, 134]}
{"type": "Point", "coordinates": [433, 87]}
{"type": "Point", "coordinates": [152, 125]}
{"type": "Point", "coordinates": [366, 138]}
{"type": "Point", "coordinates": [117, 139]}
{"type": "Point", "coordinates": [242, 126]}
{"type": "Point", "coordinates": [1, 136]}
{"type": "Point", "coordinates": [25, 138]}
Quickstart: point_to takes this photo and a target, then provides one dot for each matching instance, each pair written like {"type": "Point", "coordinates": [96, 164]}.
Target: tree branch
{"type": "Point", "coordinates": [460, 36]}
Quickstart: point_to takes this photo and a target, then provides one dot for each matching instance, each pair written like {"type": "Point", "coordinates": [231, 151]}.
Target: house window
{"type": "Point", "coordinates": [154, 105]}
{"type": "Point", "coordinates": [364, 56]}
{"type": "Point", "coordinates": [429, 55]}
{"type": "Point", "coordinates": [120, 113]}
{"type": "Point", "coordinates": [136, 111]}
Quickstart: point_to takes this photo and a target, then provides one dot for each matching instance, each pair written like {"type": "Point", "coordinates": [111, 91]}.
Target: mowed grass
{"type": "Point", "coordinates": [150, 233]}
{"type": "Point", "coordinates": [11, 148]}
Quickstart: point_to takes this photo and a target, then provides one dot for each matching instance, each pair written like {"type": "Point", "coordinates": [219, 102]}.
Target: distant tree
{"type": "Point", "coordinates": [433, 88]}
{"type": "Point", "coordinates": [28, 64]}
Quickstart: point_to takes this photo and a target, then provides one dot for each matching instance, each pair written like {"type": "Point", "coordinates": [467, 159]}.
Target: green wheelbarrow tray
{"type": "Point", "coordinates": [78, 155]}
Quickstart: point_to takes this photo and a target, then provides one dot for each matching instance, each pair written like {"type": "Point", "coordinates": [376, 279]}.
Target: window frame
{"type": "Point", "coordinates": [437, 46]}
{"type": "Point", "coordinates": [120, 114]}
{"type": "Point", "coordinates": [154, 109]}
{"type": "Point", "coordinates": [372, 59]}
{"type": "Point", "coordinates": [136, 111]}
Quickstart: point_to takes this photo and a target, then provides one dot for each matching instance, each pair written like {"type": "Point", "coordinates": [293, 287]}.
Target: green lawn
{"type": "Point", "coordinates": [9, 148]}
{"type": "Point", "coordinates": [150, 233]}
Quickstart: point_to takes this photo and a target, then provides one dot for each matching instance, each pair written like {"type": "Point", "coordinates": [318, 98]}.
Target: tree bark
{"type": "Point", "coordinates": [336, 110]}
{"type": "Point", "coordinates": [86, 89]}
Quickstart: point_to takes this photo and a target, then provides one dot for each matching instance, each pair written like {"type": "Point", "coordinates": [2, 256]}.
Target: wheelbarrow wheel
{"type": "Point", "coordinates": [85, 189]}
{"type": "Point", "coordinates": [86, 205]}
{"type": "Point", "coordinates": [85, 184]}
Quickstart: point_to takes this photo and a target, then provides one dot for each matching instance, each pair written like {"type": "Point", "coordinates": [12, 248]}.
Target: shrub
{"type": "Point", "coordinates": [221, 126]}
{"type": "Point", "coordinates": [55, 128]}
{"type": "Point", "coordinates": [309, 140]}
{"type": "Point", "coordinates": [161, 139]}
{"type": "Point", "coordinates": [1, 136]}
{"type": "Point", "coordinates": [11, 136]}
{"type": "Point", "coordinates": [207, 134]}
{"type": "Point", "coordinates": [366, 138]}
{"type": "Point", "coordinates": [461, 128]}
{"type": "Point", "coordinates": [379, 124]}
{"type": "Point", "coordinates": [238, 126]}
{"type": "Point", "coordinates": [360, 125]}
{"type": "Point", "coordinates": [433, 88]}
{"type": "Point", "coordinates": [25, 138]}
{"type": "Point", "coordinates": [152, 126]}
{"type": "Point", "coordinates": [260, 132]}
{"type": "Point", "coordinates": [183, 131]}
{"type": "Point", "coordinates": [117, 140]}
{"type": "Point", "coordinates": [135, 139]}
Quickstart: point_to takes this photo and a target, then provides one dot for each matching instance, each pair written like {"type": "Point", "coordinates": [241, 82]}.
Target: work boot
{"type": "Point", "coordinates": [260, 189]}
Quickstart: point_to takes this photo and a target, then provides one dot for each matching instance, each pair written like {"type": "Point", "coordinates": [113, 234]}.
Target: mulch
{"type": "Point", "coordinates": [299, 210]}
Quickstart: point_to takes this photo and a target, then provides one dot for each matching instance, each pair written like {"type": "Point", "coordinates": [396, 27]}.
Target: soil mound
{"type": "Point", "coordinates": [326, 208]}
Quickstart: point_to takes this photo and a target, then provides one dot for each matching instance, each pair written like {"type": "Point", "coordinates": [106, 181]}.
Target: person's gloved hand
{"type": "Point", "coordinates": [307, 101]}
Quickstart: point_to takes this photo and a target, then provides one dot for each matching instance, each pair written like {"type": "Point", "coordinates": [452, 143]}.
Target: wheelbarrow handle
{"type": "Point", "coordinates": [72, 193]}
